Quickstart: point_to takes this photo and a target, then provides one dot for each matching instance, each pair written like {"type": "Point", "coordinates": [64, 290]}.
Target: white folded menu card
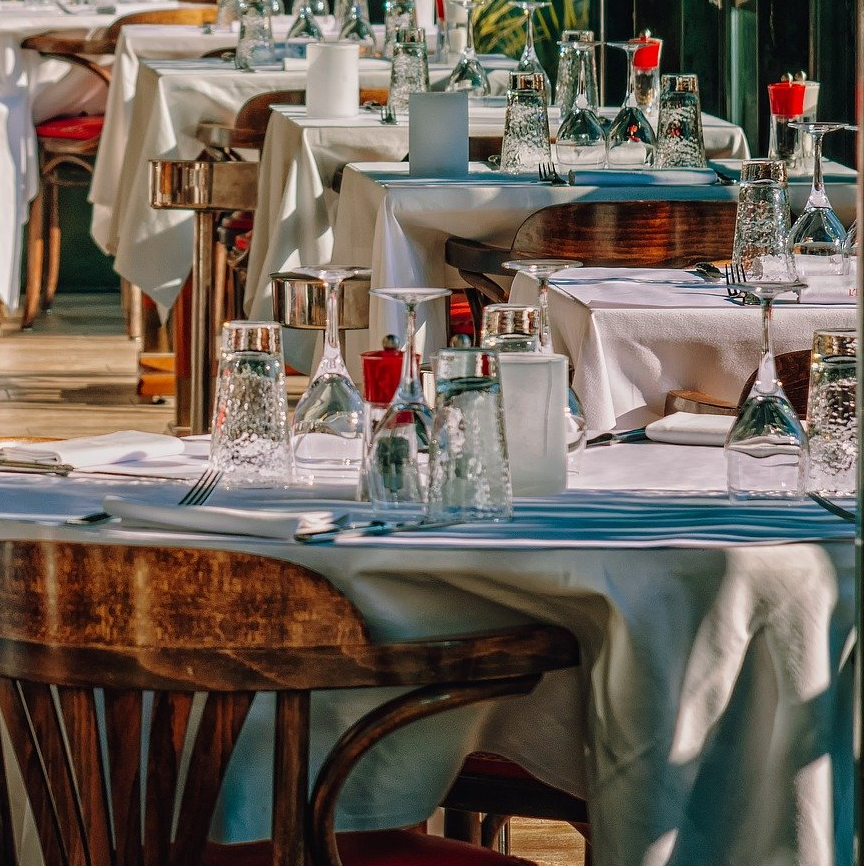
{"type": "Point", "coordinates": [689, 428]}
{"type": "Point", "coordinates": [120, 447]}
{"type": "Point", "coordinates": [223, 521]}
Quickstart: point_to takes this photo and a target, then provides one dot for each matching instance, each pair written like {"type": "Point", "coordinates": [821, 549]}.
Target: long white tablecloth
{"type": "Point", "coordinates": [710, 721]}
{"type": "Point", "coordinates": [627, 354]}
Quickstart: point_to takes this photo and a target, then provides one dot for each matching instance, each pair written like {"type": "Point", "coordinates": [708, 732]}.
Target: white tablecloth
{"type": "Point", "coordinates": [710, 721]}
{"type": "Point", "coordinates": [627, 354]}
{"type": "Point", "coordinates": [398, 227]}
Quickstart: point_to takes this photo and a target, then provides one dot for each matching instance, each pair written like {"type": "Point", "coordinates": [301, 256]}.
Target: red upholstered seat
{"type": "Point", "coordinates": [380, 848]}
{"type": "Point", "coordinates": [460, 315]}
{"type": "Point", "coordinates": [78, 128]}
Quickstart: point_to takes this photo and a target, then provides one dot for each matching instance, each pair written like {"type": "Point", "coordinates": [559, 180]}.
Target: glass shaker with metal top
{"type": "Point", "coordinates": [255, 43]}
{"type": "Point", "coordinates": [410, 70]}
{"type": "Point", "coordinates": [397, 14]}
{"type": "Point", "coordinates": [679, 128]}
{"type": "Point", "coordinates": [526, 124]}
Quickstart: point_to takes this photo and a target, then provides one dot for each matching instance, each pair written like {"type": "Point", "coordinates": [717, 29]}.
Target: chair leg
{"type": "Point", "coordinates": [491, 829]}
{"type": "Point", "coordinates": [35, 260]}
{"type": "Point", "coordinates": [462, 826]}
{"type": "Point", "coordinates": [132, 303]}
{"type": "Point", "coordinates": [52, 273]}
{"type": "Point", "coordinates": [475, 304]}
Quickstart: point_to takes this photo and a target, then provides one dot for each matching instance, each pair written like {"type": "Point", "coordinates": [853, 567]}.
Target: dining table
{"type": "Point", "coordinates": [710, 720]}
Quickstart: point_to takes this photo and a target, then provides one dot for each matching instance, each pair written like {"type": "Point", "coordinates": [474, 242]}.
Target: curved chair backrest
{"type": "Point", "coordinates": [203, 13]}
{"type": "Point", "coordinates": [630, 233]}
{"type": "Point", "coordinates": [127, 619]}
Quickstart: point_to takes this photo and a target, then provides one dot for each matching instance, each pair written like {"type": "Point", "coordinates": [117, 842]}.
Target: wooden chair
{"type": "Point", "coordinates": [793, 370]}
{"type": "Point", "coordinates": [71, 143]}
{"type": "Point", "coordinates": [670, 234]}
{"type": "Point", "coordinates": [125, 619]}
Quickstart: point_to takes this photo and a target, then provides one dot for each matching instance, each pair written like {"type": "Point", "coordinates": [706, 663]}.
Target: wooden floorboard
{"type": "Point", "coordinates": [75, 374]}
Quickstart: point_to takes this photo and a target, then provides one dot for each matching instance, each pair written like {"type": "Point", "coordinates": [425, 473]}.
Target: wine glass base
{"type": "Point", "coordinates": [470, 77]}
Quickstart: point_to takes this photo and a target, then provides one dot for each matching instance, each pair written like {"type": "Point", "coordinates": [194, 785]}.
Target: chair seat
{"type": "Point", "coordinates": [378, 848]}
{"type": "Point", "coordinates": [489, 764]}
{"type": "Point", "coordinates": [81, 128]}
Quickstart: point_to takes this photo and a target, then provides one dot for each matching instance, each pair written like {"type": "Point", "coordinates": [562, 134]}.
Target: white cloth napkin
{"type": "Point", "coordinates": [690, 428]}
{"type": "Point", "coordinates": [639, 288]}
{"type": "Point", "coordinates": [224, 521]}
{"type": "Point", "coordinates": [830, 290]}
{"type": "Point", "coordinates": [125, 445]}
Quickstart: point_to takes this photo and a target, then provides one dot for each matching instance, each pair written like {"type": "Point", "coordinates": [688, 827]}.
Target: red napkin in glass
{"type": "Point", "coordinates": [649, 56]}
{"type": "Point", "coordinates": [787, 98]}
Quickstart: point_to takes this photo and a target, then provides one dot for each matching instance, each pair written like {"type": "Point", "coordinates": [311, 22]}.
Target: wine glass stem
{"type": "Point", "coordinates": [817, 190]}
{"type": "Point", "coordinates": [630, 99]}
{"type": "Point", "coordinates": [529, 34]}
{"type": "Point", "coordinates": [410, 387]}
{"type": "Point", "coordinates": [469, 34]}
{"type": "Point", "coordinates": [331, 359]}
{"type": "Point", "coordinates": [545, 336]}
{"type": "Point", "coordinates": [766, 378]}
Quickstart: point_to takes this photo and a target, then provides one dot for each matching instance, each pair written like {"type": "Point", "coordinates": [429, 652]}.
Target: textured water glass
{"type": "Point", "coordinates": [255, 44]}
{"type": "Point", "coordinates": [398, 14]}
{"type": "Point", "coordinates": [576, 56]}
{"type": "Point", "coordinates": [680, 143]}
{"type": "Point", "coordinates": [832, 426]}
{"type": "Point", "coordinates": [409, 72]}
{"type": "Point", "coordinates": [760, 247]}
{"type": "Point", "coordinates": [249, 442]}
{"type": "Point", "coordinates": [526, 124]}
{"type": "Point", "coordinates": [511, 328]}
{"type": "Point", "coordinates": [469, 475]}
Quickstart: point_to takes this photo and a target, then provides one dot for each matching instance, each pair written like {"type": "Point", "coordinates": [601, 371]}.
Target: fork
{"type": "Point", "coordinates": [548, 172]}
{"type": "Point", "coordinates": [198, 494]}
{"type": "Point", "coordinates": [735, 278]}
{"type": "Point", "coordinates": [388, 115]}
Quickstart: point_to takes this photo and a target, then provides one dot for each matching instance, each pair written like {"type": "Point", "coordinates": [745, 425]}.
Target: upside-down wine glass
{"type": "Point", "coordinates": [304, 25]}
{"type": "Point", "coordinates": [327, 430]}
{"type": "Point", "coordinates": [767, 453]}
{"type": "Point", "coordinates": [393, 475]}
{"type": "Point", "coordinates": [529, 61]}
{"type": "Point", "coordinates": [468, 74]}
{"type": "Point", "coordinates": [631, 140]}
{"type": "Point", "coordinates": [581, 139]}
{"type": "Point", "coordinates": [817, 239]}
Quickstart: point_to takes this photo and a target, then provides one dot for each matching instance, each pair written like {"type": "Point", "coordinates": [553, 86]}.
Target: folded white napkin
{"type": "Point", "coordinates": [689, 428]}
{"type": "Point", "coordinates": [224, 521]}
{"type": "Point", "coordinates": [120, 447]}
{"type": "Point", "coordinates": [830, 290]}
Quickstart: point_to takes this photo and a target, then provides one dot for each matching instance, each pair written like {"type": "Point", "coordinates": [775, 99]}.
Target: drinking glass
{"type": "Point", "coordinates": [255, 42]}
{"type": "Point", "coordinates": [631, 140]}
{"type": "Point", "coordinates": [355, 26]}
{"type": "Point", "coordinates": [542, 270]}
{"type": "Point", "coordinates": [468, 74]}
{"type": "Point", "coordinates": [249, 443]}
{"type": "Point", "coordinates": [226, 12]}
{"type": "Point", "coordinates": [469, 476]}
{"type": "Point", "coordinates": [327, 430]}
{"type": "Point", "coordinates": [576, 56]}
{"type": "Point", "coordinates": [817, 240]}
{"type": "Point", "coordinates": [410, 70]}
{"type": "Point", "coordinates": [304, 25]}
{"type": "Point", "coordinates": [832, 425]}
{"type": "Point", "coordinates": [393, 477]}
{"type": "Point", "coordinates": [766, 449]}
{"type": "Point", "coordinates": [679, 126]}
{"type": "Point", "coordinates": [529, 61]}
{"type": "Point", "coordinates": [510, 328]}
{"type": "Point", "coordinates": [398, 14]}
{"type": "Point", "coordinates": [526, 124]}
{"type": "Point", "coordinates": [581, 138]}
{"type": "Point", "coordinates": [760, 250]}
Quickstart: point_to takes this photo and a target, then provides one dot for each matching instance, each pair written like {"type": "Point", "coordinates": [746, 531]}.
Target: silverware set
{"type": "Point", "coordinates": [388, 116]}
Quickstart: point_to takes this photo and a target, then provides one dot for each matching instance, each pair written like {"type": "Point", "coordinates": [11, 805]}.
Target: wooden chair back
{"type": "Point", "coordinates": [793, 371]}
{"type": "Point", "coordinates": [250, 125]}
{"type": "Point", "coordinates": [124, 619]}
{"type": "Point", "coordinates": [630, 233]}
{"type": "Point", "coordinates": [202, 13]}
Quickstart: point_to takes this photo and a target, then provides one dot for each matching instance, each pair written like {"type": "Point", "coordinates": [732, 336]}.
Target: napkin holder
{"type": "Point", "coordinates": [332, 79]}
{"type": "Point", "coordinates": [534, 393]}
{"type": "Point", "coordinates": [438, 135]}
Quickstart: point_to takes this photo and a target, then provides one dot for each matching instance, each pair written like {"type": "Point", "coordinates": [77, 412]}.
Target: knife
{"type": "Point", "coordinates": [637, 435]}
{"type": "Point", "coordinates": [376, 527]}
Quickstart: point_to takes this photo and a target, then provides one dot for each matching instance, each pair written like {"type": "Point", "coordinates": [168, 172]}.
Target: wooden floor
{"type": "Point", "coordinates": [75, 374]}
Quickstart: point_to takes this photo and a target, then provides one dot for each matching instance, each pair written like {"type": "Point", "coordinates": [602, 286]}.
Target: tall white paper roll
{"type": "Point", "coordinates": [332, 79]}
{"type": "Point", "coordinates": [534, 392]}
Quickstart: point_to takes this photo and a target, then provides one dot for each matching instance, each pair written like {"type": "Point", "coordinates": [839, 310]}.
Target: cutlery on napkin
{"type": "Point", "coordinates": [120, 447]}
{"type": "Point", "coordinates": [690, 428]}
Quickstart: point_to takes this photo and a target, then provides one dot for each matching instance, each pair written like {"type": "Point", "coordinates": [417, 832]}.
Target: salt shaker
{"type": "Point", "coordinates": [526, 124]}
{"type": "Point", "coordinates": [679, 128]}
{"type": "Point", "coordinates": [409, 72]}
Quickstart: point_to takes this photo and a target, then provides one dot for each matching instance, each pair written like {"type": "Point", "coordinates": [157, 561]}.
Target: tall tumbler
{"type": "Point", "coordinates": [255, 43]}
{"type": "Point", "coordinates": [679, 128]}
{"type": "Point", "coordinates": [469, 476]}
{"type": "Point", "coordinates": [832, 426]}
{"type": "Point", "coordinates": [409, 72]}
{"type": "Point", "coordinates": [526, 124]}
{"type": "Point", "coordinates": [762, 222]}
{"type": "Point", "coordinates": [249, 443]}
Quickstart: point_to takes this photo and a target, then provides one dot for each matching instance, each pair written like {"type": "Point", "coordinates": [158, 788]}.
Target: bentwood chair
{"type": "Point", "coordinates": [68, 145]}
{"type": "Point", "coordinates": [669, 234]}
{"type": "Point", "coordinates": [85, 629]}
